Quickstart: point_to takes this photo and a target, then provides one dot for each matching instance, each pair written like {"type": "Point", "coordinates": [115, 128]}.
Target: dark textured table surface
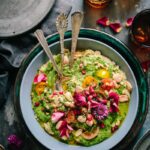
{"type": "Point", "coordinates": [118, 10]}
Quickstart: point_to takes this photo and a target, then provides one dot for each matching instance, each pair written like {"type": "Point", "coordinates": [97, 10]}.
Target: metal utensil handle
{"type": "Point", "coordinates": [61, 25]}
{"type": "Point", "coordinates": [76, 21]}
{"type": "Point", "coordinates": [41, 38]}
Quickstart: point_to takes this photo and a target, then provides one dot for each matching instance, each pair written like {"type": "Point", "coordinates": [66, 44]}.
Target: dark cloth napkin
{"type": "Point", "coordinates": [13, 50]}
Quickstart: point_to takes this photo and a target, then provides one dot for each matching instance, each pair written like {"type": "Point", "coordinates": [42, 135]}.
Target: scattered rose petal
{"type": "Point", "coordinates": [145, 65]}
{"type": "Point", "coordinates": [15, 142]}
{"type": "Point", "coordinates": [39, 78]}
{"type": "Point", "coordinates": [56, 116]}
{"type": "Point", "coordinates": [104, 21]}
{"type": "Point", "coordinates": [129, 22]}
{"type": "Point", "coordinates": [116, 27]}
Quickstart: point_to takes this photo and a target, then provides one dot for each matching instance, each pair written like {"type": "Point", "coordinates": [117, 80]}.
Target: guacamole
{"type": "Point", "coordinates": [93, 101]}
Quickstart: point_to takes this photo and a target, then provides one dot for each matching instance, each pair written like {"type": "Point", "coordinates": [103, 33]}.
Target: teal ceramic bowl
{"type": "Point", "coordinates": [110, 47]}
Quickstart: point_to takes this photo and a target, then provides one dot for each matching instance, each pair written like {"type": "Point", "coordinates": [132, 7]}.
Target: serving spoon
{"type": "Point", "coordinates": [61, 25]}
{"type": "Point", "coordinates": [42, 40]}
{"type": "Point", "coordinates": [76, 20]}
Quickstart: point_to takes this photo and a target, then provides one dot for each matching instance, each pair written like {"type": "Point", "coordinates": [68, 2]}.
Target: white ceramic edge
{"type": "Point", "coordinates": [106, 142]}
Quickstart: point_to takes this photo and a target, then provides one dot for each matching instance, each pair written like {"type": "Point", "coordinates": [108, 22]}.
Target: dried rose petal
{"type": "Point", "coordinates": [94, 104]}
{"type": "Point", "coordinates": [114, 96]}
{"type": "Point", "coordinates": [56, 116]}
{"type": "Point", "coordinates": [116, 27]}
{"type": "Point", "coordinates": [129, 22]}
{"type": "Point", "coordinates": [80, 99]}
{"type": "Point", "coordinates": [104, 21]}
{"type": "Point", "coordinates": [69, 127]}
{"type": "Point", "coordinates": [39, 78]}
{"type": "Point", "coordinates": [114, 100]}
{"type": "Point", "coordinates": [63, 128]}
{"type": "Point", "coordinates": [64, 132]}
{"type": "Point", "coordinates": [15, 141]}
{"type": "Point", "coordinates": [145, 65]}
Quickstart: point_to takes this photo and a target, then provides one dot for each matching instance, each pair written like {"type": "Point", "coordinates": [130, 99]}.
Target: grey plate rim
{"type": "Point", "coordinates": [34, 23]}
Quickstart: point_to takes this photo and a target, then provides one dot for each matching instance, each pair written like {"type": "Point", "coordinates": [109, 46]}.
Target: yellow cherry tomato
{"type": "Point", "coordinates": [103, 73]}
{"type": "Point", "coordinates": [39, 88]}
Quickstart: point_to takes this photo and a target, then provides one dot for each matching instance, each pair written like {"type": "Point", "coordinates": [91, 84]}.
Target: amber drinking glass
{"type": "Point", "coordinates": [140, 30]}
{"type": "Point", "coordinates": [98, 3]}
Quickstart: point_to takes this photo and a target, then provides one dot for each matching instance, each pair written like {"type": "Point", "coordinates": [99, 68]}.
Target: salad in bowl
{"type": "Point", "coordinates": [92, 104]}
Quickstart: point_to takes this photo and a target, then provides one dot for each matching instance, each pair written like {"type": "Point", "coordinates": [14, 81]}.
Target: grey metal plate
{"type": "Point", "coordinates": [19, 16]}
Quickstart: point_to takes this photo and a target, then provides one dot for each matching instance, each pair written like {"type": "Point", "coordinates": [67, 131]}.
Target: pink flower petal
{"type": "Point", "coordinates": [94, 104]}
{"type": "Point", "coordinates": [39, 78]}
{"type": "Point", "coordinates": [69, 127]}
{"type": "Point", "coordinates": [63, 125]}
{"type": "Point", "coordinates": [56, 116]}
{"type": "Point", "coordinates": [104, 21]}
{"type": "Point", "coordinates": [63, 132]}
{"type": "Point", "coordinates": [116, 27]}
{"type": "Point", "coordinates": [114, 96]}
{"type": "Point", "coordinates": [80, 99]}
{"type": "Point", "coordinates": [114, 100]}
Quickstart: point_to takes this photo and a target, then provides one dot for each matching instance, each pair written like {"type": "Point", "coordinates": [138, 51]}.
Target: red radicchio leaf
{"type": "Point", "coordinates": [104, 21]}
{"type": "Point", "coordinates": [129, 22]}
{"type": "Point", "coordinates": [39, 78]}
{"type": "Point", "coordinates": [56, 116]}
{"type": "Point", "coordinates": [80, 99]}
{"type": "Point", "coordinates": [116, 27]}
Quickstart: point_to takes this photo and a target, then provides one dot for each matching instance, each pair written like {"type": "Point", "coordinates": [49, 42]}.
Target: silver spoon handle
{"type": "Point", "coordinates": [61, 25]}
{"type": "Point", "coordinates": [41, 38]}
{"type": "Point", "coordinates": [76, 21]}
{"type": "Point", "coordinates": [62, 47]}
